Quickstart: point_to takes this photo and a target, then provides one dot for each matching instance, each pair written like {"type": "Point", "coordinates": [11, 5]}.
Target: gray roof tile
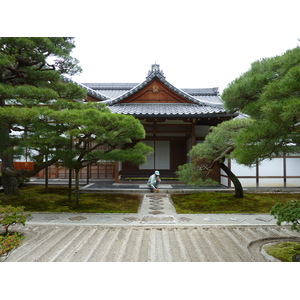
{"type": "Point", "coordinates": [90, 91]}
{"type": "Point", "coordinates": [170, 109]}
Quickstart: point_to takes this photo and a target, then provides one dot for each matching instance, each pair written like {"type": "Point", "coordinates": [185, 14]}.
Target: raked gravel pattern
{"type": "Point", "coordinates": [67, 243]}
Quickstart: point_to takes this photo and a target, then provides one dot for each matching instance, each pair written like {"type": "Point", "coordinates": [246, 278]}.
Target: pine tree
{"type": "Point", "coordinates": [30, 77]}
{"type": "Point", "coordinates": [270, 94]}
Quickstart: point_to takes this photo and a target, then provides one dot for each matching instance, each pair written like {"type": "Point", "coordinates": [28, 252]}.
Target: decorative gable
{"type": "Point", "coordinates": [155, 92]}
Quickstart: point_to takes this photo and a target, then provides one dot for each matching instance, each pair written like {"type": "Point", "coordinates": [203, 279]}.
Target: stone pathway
{"type": "Point", "coordinates": [157, 209]}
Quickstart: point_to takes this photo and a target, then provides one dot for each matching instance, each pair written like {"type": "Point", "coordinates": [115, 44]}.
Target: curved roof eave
{"type": "Point", "coordinates": [89, 91]}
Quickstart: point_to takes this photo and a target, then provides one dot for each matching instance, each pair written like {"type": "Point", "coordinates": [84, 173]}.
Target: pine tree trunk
{"type": "Point", "coordinates": [77, 186]}
{"type": "Point", "coordinates": [239, 193]}
{"type": "Point", "coordinates": [9, 181]}
{"type": "Point", "coordinates": [70, 186]}
{"type": "Point", "coordinates": [46, 180]}
{"type": "Point", "coordinates": [10, 185]}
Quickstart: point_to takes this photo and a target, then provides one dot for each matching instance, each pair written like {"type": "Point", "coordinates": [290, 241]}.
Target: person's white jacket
{"type": "Point", "coordinates": [154, 181]}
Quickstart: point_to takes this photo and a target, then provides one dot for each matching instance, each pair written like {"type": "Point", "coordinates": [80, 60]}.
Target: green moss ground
{"type": "Point", "coordinates": [217, 202]}
{"type": "Point", "coordinates": [284, 251]}
{"type": "Point", "coordinates": [35, 199]}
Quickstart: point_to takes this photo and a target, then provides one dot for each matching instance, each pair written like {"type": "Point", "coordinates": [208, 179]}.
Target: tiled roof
{"type": "Point", "coordinates": [111, 86]}
{"type": "Point", "coordinates": [204, 101]}
{"type": "Point", "coordinates": [165, 109]}
{"type": "Point", "coordinates": [185, 93]}
{"type": "Point", "coordinates": [201, 92]}
{"type": "Point", "coordinates": [99, 96]}
{"type": "Point", "coordinates": [209, 100]}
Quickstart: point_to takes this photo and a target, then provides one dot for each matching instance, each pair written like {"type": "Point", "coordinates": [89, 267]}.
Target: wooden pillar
{"type": "Point", "coordinates": [154, 142]}
{"type": "Point", "coordinates": [88, 174]}
{"type": "Point", "coordinates": [284, 169]}
{"type": "Point", "coordinates": [257, 173]}
{"type": "Point", "coordinates": [116, 171]}
{"type": "Point", "coordinates": [193, 133]}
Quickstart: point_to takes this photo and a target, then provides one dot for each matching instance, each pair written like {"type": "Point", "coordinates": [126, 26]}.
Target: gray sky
{"type": "Point", "coordinates": [197, 43]}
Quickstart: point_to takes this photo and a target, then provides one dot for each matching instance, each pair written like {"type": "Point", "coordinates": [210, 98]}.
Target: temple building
{"type": "Point", "coordinates": [175, 119]}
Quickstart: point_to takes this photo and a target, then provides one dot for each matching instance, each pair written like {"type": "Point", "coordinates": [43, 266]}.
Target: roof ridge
{"type": "Point", "coordinates": [111, 85]}
{"type": "Point", "coordinates": [156, 72]}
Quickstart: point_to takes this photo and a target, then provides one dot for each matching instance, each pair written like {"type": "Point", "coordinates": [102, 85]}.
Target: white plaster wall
{"type": "Point", "coordinates": [293, 182]}
{"type": "Point", "coordinates": [248, 182]}
{"type": "Point", "coordinates": [272, 167]}
{"type": "Point", "coordinates": [242, 170]}
{"type": "Point", "coordinates": [224, 181]}
{"type": "Point", "coordinates": [292, 166]}
{"type": "Point", "coordinates": [271, 182]}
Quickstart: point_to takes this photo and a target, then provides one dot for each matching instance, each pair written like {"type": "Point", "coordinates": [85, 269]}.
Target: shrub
{"type": "Point", "coordinates": [9, 242]}
{"type": "Point", "coordinates": [10, 215]}
{"type": "Point", "coordinates": [189, 174]}
{"type": "Point", "coordinates": [288, 212]}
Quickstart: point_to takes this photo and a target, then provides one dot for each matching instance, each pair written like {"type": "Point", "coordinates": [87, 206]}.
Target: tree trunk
{"type": "Point", "coordinates": [239, 193]}
{"type": "Point", "coordinates": [9, 181]}
{"type": "Point", "coordinates": [70, 186]}
{"type": "Point", "coordinates": [46, 180]}
{"type": "Point", "coordinates": [77, 186]}
{"type": "Point", "coordinates": [10, 185]}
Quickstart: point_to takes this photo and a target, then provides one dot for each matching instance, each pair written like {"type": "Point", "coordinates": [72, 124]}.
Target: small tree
{"type": "Point", "coordinates": [217, 146]}
{"type": "Point", "coordinates": [96, 135]}
{"type": "Point", "coordinates": [10, 215]}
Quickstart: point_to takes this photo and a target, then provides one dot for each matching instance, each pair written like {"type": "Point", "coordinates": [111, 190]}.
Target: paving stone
{"type": "Point", "coordinates": [158, 219]}
{"type": "Point", "coordinates": [156, 212]}
{"type": "Point", "coordinates": [264, 219]}
{"type": "Point", "coordinates": [132, 219]}
{"type": "Point", "coordinates": [211, 219]}
{"type": "Point", "coordinates": [50, 218]}
{"type": "Point", "coordinates": [156, 207]}
{"type": "Point", "coordinates": [78, 218]}
{"type": "Point", "coordinates": [237, 219]}
{"type": "Point", "coordinates": [105, 218]}
{"type": "Point", "coordinates": [185, 219]}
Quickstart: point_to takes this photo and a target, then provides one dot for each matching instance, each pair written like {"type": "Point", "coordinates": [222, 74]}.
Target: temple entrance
{"type": "Point", "coordinates": [160, 158]}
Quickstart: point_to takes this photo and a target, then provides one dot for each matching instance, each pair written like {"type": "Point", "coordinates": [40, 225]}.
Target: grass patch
{"type": "Point", "coordinates": [217, 202]}
{"type": "Point", "coordinates": [284, 251]}
{"type": "Point", "coordinates": [35, 199]}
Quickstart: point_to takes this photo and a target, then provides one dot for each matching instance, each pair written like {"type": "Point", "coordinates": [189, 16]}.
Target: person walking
{"type": "Point", "coordinates": [154, 181]}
